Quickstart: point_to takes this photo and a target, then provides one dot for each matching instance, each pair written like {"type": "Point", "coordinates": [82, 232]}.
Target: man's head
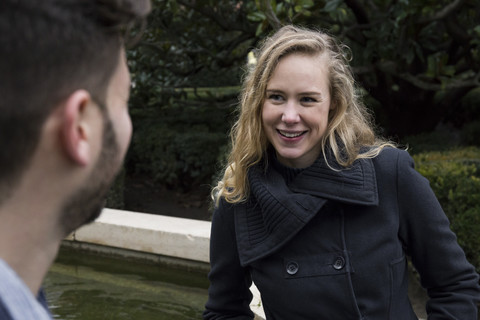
{"type": "Point", "coordinates": [86, 203]}
{"type": "Point", "coordinates": [58, 56]}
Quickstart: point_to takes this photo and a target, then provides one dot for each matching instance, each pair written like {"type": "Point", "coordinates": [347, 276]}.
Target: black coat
{"type": "Point", "coordinates": [333, 245]}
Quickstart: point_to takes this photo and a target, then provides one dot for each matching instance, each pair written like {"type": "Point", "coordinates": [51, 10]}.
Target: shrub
{"type": "Point", "coordinates": [439, 140]}
{"type": "Point", "coordinates": [178, 147]}
{"type": "Point", "coordinates": [470, 134]}
{"type": "Point", "coordinates": [455, 178]}
{"type": "Point", "coordinates": [115, 199]}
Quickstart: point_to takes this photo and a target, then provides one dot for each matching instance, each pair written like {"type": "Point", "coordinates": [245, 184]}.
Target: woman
{"type": "Point", "coordinates": [319, 211]}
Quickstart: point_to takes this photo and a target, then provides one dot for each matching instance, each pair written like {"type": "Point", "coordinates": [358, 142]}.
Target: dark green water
{"type": "Point", "coordinates": [81, 285]}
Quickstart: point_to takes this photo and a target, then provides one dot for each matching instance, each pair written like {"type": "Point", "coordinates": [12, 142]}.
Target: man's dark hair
{"type": "Point", "coordinates": [49, 49]}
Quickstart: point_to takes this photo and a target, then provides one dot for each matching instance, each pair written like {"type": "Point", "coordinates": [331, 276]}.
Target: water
{"type": "Point", "coordinates": [81, 285]}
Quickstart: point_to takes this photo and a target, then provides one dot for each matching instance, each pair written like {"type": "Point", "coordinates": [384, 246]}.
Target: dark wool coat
{"type": "Point", "coordinates": [333, 245]}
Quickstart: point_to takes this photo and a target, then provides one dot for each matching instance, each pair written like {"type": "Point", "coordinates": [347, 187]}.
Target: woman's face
{"type": "Point", "coordinates": [295, 111]}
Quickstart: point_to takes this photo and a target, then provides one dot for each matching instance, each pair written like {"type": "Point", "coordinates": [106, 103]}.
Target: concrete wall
{"type": "Point", "coordinates": [165, 239]}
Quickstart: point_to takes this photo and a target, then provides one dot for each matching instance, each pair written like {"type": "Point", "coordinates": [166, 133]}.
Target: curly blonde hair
{"type": "Point", "coordinates": [349, 124]}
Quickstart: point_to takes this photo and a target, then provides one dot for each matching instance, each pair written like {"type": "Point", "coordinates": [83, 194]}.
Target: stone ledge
{"type": "Point", "coordinates": [168, 236]}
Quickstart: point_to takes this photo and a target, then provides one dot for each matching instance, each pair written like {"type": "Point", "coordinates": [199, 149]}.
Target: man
{"type": "Point", "coordinates": [64, 130]}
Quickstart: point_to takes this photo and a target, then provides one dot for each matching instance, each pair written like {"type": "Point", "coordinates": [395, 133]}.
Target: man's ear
{"type": "Point", "coordinates": [75, 129]}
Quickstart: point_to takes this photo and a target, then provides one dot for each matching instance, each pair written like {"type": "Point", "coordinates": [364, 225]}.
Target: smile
{"type": "Point", "coordinates": [291, 134]}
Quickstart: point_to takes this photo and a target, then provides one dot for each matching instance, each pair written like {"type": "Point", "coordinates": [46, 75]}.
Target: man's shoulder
{"type": "Point", "coordinates": [16, 300]}
{"type": "Point", "coordinates": [4, 314]}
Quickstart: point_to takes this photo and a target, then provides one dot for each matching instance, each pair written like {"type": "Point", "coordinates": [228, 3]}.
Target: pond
{"type": "Point", "coordinates": [83, 285]}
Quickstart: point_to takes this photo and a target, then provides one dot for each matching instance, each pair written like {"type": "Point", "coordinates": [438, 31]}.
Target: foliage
{"type": "Point", "coordinates": [419, 62]}
{"type": "Point", "coordinates": [186, 74]}
{"type": "Point", "coordinates": [455, 178]}
{"type": "Point", "coordinates": [178, 146]}
{"type": "Point", "coordinates": [471, 133]}
{"type": "Point", "coordinates": [187, 45]}
{"type": "Point", "coordinates": [417, 58]}
{"type": "Point", "coordinates": [115, 199]}
{"type": "Point", "coordinates": [439, 140]}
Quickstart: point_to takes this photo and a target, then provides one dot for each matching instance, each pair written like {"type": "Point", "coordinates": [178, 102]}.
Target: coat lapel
{"type": "Point", "coordinates": [276, 212]}
{"type": "Point", "coordinates": [355, 185]}
{"type": "Point", "coordinates": [272, 216]}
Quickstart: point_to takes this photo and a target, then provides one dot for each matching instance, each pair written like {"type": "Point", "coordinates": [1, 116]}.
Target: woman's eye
{"type": "Point", "coordinates": [308, 99]}
{"type": "Point", "coordinates": [275, 97]}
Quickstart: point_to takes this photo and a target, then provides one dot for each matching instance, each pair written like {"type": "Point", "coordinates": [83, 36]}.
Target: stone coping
{"type": "Point", "coordinates": [133, 233]}
{"type": "Point", "coordinates": [143, 232]}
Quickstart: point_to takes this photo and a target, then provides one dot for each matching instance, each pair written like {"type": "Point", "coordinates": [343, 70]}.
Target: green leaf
{"type": "Point", "coordinates": [449, 71]}
{"type": "Point", "coordinates": [419, 51]}
{"type": "Point", "coordinates": [259, 30]}
{"type": "Point", "coordinates": [410, 56]}
{"type": "Point", "coordinates": [279, 8]}
{"type": "Point", "coordinates": [256, 16]}
{"type": "Point", "coordinates": [431, 66]}
{"type": "Point", "coordinates": [477, 30]}
{"type": "Point", "coordinates": [332, 5]}
{"type": "Point", "coordinates": [304, 3]}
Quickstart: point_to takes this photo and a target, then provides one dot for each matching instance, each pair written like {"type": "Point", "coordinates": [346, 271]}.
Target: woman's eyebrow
{"type": "Point", "coordinates": [311, 93]}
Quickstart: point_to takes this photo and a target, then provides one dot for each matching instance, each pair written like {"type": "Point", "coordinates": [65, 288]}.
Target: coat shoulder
{"type": "Point", "coordinates": [393, 157]}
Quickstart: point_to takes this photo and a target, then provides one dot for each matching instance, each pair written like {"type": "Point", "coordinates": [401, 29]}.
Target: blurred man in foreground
{"type": "Point", "coordinates": [64, 130]}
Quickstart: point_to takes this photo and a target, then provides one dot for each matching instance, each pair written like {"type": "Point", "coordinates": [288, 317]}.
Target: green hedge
{"type": "Point", "coordinates": [179, 147]}
{"type": "Point", "coordinates": [115, 198]}
{"type": "Point", "coordinates": [455, 178]}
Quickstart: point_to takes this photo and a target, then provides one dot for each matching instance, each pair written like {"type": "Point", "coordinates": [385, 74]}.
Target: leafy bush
{"type": "Point", "coordinates": [439, 140]}
{"type": "Point", "coordinates": [178, 146]}
{"type": "Point", "coordinates": [115, 199]}
{"type": "Point", "coordinates": [470, 134]}
{"type": "Point", "coordinates": [455, 178]}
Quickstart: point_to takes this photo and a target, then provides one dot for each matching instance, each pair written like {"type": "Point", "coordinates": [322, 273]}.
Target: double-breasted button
{"type": "Point", "coordinates": [339, 263]}
{"type": "Point", "coordinates": [292, 267]}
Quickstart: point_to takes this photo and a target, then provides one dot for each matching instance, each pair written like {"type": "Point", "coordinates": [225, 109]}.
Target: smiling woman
{"type": "Point", "coordinates": [319, 212]}
{"type": "Point", "coordinates": [295, 111]}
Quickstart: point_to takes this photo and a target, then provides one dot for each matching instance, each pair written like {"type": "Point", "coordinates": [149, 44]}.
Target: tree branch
{"type": "Point", "coordinates": [455, 84]}
{"type": "Point", "coordinates": [445, 12]}
{"type": "Point", "coordinates": [272, 18]}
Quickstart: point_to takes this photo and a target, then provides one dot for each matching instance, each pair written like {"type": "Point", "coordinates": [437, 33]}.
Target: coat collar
{"type": "Point", "coordinates": [356, 184]}
{"type": "Point", "coordinates": [276, 212]}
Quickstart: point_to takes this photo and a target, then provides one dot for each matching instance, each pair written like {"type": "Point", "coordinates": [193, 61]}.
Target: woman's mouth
{"type": "Point", "coordinates": [291, 134]}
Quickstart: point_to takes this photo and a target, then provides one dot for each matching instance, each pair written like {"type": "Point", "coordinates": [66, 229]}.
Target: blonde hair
{"type": "Point", "coordinates": [349, 124]}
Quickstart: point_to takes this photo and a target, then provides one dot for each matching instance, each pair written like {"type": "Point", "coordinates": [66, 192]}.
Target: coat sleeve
{"type": "Point", "coordinates": [450, 280]}
{"type": "Point", "coordinates": [229, 295]}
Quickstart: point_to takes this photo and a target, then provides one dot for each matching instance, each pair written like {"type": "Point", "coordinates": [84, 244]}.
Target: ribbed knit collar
{"type": "Point", "coordinates": [277, 211]}
{"type": "Point", "coordinates": [288, 173]}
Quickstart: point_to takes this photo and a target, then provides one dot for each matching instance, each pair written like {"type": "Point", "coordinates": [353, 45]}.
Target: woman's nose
{"type": "Point", "coordinates": [290, 113]}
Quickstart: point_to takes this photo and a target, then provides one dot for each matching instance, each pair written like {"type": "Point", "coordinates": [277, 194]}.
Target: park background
{"type": "Point", "coordinates": [417, 65]}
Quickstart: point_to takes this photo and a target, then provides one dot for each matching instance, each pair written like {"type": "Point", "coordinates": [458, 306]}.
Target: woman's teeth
{"type": "Point", "coordinates": [290, 134]}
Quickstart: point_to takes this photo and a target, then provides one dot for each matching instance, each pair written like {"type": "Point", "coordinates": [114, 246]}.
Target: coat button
{"type": "Point", "coordinates": [339, 263]}
{"type": "Point", "coordinates": [292, 267]}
